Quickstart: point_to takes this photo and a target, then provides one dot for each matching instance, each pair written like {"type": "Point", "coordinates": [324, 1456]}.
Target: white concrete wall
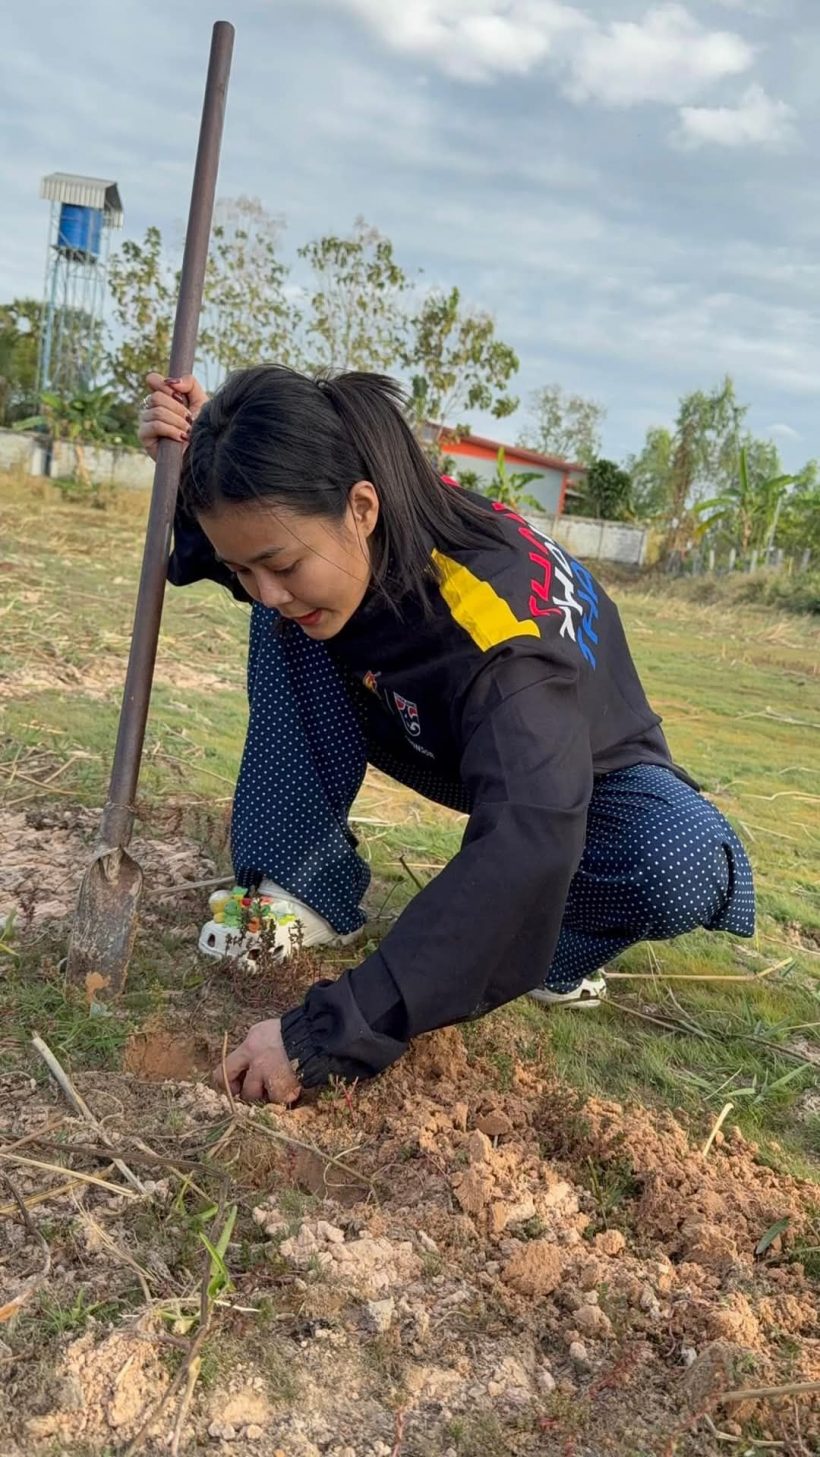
{"type": "Point", "coordinates": [18, 451]}
{"type": "Point", "coordinates": [106, 466]}
{"type": "Point", "coordinates": [606, 541]}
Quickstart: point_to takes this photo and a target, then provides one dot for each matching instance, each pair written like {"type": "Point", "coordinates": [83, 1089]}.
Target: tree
{"type": "Point", "coordinates": [606, 492]}
{"type": "Point", "coordinates": [19, 348]}
{"type": "Point", "coordinates": [798, 527]}
{"type": "Point", "coordinates": [455, 363]}
{"type": "Point", "coordinates": [144, 296]}
{"type": "Point", "coordinates": [651, 472]}
{"type": "Point", "coordinates": [80, 419]}
{"type": "Point", "coordinates": [565, 425]}
{"type": "Point", "coordinates": [705, 449]}
{"type": "Point", "coordinates": [356, 320]}
{"type": "Point", "coordinates": [746, 512]}
{"type": "Point", "coordinates": [247, 316]}
{"type": "Point", "coordinates": [72, 350]}
{"type": "Point", "coordinates": [676, 467]}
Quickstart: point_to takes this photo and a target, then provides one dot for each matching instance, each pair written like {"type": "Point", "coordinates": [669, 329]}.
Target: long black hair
{"type": "Point", "coordinates": [272, 434]}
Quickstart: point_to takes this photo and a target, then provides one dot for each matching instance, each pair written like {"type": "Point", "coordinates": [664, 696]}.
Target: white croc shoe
{"type": "Point", "coordinates": [589, 994]}
{"type": "Point", "coordinates": [238, 918]}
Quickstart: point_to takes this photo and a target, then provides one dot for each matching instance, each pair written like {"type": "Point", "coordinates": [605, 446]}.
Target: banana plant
{"type": "Point", "coordinates": [80, 419]}
{"type": "Point", "coordinates": [509, 487]}
{"type": "Point", "coordinates": [748, 510]}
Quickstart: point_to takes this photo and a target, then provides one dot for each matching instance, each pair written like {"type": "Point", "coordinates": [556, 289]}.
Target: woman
{"type": "Point", "coordinates": [401, 620]}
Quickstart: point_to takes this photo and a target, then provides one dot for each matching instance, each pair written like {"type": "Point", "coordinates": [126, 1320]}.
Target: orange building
{"type": "Point", "coordinates": [555, 479]}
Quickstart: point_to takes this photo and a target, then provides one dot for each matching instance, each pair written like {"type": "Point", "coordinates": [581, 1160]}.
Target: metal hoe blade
{"type": "Point", "coordinates": [106, 920]}
{"type": "Point", "coordinates": [105, 923]}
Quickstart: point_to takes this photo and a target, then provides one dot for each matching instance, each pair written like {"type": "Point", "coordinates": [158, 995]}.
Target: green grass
{"type": "Point", "coordinates": [737, 684]}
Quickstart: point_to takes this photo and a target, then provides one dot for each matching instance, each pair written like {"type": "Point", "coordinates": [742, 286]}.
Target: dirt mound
{"type": "Point", "coordinates": [710, 1212]}
{"type": "Point", "coordinates": [106, 1386]}
{"type": "Point", "coordinates": [424, 1266]}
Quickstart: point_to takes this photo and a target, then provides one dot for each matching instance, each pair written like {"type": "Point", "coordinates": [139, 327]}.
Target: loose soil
{"type": "Point", "coordinates": [44, 854]}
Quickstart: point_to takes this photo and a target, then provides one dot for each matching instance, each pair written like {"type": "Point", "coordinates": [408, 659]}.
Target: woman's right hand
{"type": "Point", "coordinates": [169, 410]}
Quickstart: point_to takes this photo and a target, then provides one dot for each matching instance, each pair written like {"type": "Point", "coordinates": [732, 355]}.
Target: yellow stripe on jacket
{"type": "Point", "coordinates": [477, 607]}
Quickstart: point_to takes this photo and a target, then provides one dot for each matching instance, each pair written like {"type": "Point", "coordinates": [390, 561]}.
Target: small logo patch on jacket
{"type": "Point", "coordinates": [409, 715]}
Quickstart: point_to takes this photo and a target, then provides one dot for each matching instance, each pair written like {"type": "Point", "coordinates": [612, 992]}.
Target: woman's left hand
{"type": "Point", "coordinates": [259, 1070]}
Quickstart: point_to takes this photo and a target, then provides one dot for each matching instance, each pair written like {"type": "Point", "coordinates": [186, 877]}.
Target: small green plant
{"type": "Point", "coordinates": [534, 1228]}
{"type": "Point", "coordinates": [57, 1318]}
{"type": "Point", "coordinates": [296, 1204]}
{"type": "Point", "coordinates": [505, 1068]}
{"type": "Point", "coordinates": [315, 1269]}
{"type": "Point", "coordinates": [763, 1087]}
{"type": "Point", "coordinates": [746, 1364]}
{"type": "Point", "coordinates": [7, 935]}
{"type": "Point", "coordinates": [611, 1185]}
{"type": "Point", "coordinates": [220, 1282]}
{"type": "Point", "coordinates": [477, 1435]}
{"type": "Point", "coordinates": [211, 1362]}
{"type": "Point", "coordinates": [431, 1263]}
{"type": "Point", "coordinates": [339, 1098]}
{"type": "Point", "coordinates": [772, 1233]}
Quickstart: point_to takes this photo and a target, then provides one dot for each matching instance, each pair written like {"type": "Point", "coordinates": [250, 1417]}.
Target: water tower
{"type": "Point", "coordinates": [83, 212]}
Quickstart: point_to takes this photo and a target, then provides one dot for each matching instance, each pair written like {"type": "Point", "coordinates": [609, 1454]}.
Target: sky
{"type": "Point", "coordinates": [630, 188]}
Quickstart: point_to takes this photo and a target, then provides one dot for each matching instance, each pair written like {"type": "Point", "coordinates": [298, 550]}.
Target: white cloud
{"type": "Point", "coordinates": [751, 7]}
{"type": "Point", "coordinates": [472, 39]}
{"type": "Point", "coordinates": [759, 120]}
{"type": "Point", "coordinates": [666, 57]}
{"type": "Point", "coordinates": [786, 432]}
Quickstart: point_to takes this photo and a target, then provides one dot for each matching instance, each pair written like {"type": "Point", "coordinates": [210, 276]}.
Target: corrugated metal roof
{"type": "Point", "coordinates": [95, 192]}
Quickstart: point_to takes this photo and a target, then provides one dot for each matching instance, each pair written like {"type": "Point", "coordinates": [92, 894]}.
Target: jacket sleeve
{"type": "Point", "coordinates": [485, 930]}
{"type": "Point", "coordinates": [193, 559]}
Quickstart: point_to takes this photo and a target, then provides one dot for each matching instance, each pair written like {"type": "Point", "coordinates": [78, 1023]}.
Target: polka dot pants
{"type": "Point", "coordinates": [659, 859]}
{"type": "Point", "coordinates": [303, 764]}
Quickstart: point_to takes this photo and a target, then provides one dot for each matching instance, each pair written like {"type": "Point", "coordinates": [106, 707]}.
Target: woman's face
{"type": "Point", "coordinates": [312, 569]}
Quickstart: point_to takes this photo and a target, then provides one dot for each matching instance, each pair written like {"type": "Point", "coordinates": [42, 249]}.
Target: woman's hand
{"type": "Point", "coordinates": [169, 410]}
{"type": "Point", "coordinates": [259, 1070]}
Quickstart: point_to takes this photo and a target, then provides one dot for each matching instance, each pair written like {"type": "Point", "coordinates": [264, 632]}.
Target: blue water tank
{"type": "Point", "coordinates": [80, 229]}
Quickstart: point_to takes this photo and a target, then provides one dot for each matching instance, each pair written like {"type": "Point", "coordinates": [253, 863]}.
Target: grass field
{"type": "Point", "coordinates": [739, 691]}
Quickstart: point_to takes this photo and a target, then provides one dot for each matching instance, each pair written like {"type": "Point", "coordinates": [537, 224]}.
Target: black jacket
{"type": "Point", "coordinates": [508, 695]}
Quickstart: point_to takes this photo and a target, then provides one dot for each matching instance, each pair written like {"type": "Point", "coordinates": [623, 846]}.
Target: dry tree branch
{"type": "Point", "coordinates": [79, 1105]}
{"type": "Point", "coordinates": [11, 1307]}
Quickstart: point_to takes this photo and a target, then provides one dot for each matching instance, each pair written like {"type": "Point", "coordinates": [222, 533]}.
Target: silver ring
{"type": "Point", "coordinates": [146, 403]}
